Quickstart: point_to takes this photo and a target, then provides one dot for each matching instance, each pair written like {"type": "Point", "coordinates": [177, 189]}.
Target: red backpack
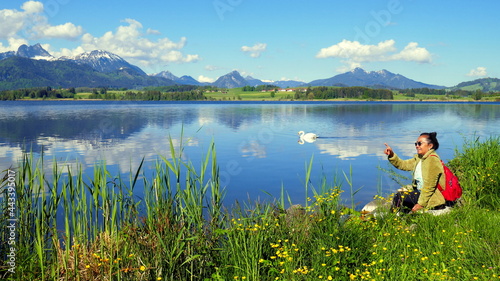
{"type": "Point", "coordinates": [452, 190]}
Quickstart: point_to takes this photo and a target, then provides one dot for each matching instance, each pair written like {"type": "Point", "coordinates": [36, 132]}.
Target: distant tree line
{"type": "Point", "coordinates": [260, 88]}
{"type": "Point", "coordinates": [152, 96]}
{"type": "Point", "coordinates": [100, 93]}
{"type": "Point", "coordinates": [324, 92]}
{"type": "Point", "coordinates": [38, 93]}
{"type": "Point", "coordinates": [476, 95]}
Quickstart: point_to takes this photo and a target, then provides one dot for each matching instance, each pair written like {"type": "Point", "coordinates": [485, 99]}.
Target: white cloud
{"type": "Point", "coordinates": [204, 79]}
{"type": "Point", "coordinates": [32, 7]}
{"type": "Point", "coordinates": [354, 53]}
{"type": "Point", "coordinates": [256, 50]}
{"type": "Point", "coordinates": [129, 42]}
{"type": "Point", "coordinates": [412, 52]}
{"type": "Point", "coordinates": [478, 72]}
{"type": "Point", "coordinates": [31, 23]}
{"type": "Point", "coordinates": [153, 31]}
{"type": "Point", "coordinates": [212, 67]}
{"type": "Point", "coordinates": [13, 21]}
{"type": "Point", "coordinates": [14, 43]}
{"type": "Point", "coordinates": [65, 31]}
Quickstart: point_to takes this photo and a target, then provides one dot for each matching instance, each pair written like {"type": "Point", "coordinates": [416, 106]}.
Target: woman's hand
{"type": "Point", "coordinates": [416, 207]}
{"type": "Point", "coordinates": [388, 150]}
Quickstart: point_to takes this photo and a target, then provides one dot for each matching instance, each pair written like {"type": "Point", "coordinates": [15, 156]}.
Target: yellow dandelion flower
{"type": "Point", "coordinates": [159, 278]}
{"type": "Point", "coordinates": [87, 266]}
{"type": "Point", "coordinates": [142, 268]}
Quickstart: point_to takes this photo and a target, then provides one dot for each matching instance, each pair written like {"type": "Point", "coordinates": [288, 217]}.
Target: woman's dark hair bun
{"type": "Point", "coordinates": [432, 138]}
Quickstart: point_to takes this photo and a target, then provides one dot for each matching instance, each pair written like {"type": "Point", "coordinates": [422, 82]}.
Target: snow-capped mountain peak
{"type": "Point", "coordinates": [104, 61]}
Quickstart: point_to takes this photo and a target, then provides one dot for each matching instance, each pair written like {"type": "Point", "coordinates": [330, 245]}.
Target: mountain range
{"type": "Point", "coordinates": [33, 66]}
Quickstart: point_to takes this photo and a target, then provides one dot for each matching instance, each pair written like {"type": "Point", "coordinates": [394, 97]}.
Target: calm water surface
{"type": "Point", "coordinates": [257, 144]}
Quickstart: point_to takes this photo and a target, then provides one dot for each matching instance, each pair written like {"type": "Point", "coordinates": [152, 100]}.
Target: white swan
{"type": "Point", "coordinates": [309, 137]}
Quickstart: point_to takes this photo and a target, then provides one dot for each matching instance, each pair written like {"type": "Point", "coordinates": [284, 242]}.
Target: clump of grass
{"type": "Point", "coordinates": [476, 166]}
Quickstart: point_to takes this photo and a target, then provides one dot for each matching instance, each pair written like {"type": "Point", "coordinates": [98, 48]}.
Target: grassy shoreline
{"type": "Point", "coordinates": [92, 227]}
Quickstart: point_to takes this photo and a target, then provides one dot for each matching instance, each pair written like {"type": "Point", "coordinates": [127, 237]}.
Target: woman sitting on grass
{"type": "Point", "coordinates": [427, 172]}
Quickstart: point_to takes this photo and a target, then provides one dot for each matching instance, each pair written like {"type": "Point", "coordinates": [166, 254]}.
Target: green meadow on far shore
{"type": "Point", "coordinates": [62, 224]}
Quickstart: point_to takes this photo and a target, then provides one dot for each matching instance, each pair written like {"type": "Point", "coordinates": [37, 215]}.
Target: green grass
{"type": "Point", "coordinates": [72, 226]}
{"type": "Point", "coordinates": [239, 94]}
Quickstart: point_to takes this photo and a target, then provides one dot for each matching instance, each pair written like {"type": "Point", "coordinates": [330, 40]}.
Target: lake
{"type": "Point", "coordinates": [258, 149]}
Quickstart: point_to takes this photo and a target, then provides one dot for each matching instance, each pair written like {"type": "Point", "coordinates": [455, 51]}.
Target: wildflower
{"type": "Point", "coordinates": [159, 278]}
{"type": "Point", "coordinates": [87, 266]}
{"type": "Point", "coordinates": [142, 268]}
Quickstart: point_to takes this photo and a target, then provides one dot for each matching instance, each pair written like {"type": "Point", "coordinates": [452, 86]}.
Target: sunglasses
{"type": "Point", "coordinates": [419, 143]}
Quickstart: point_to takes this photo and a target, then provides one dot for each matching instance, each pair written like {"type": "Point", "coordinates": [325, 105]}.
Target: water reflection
{"type": "Point", "coordinates": [260, 138]}
{"type": "Point", "coordinates": [307, 137]}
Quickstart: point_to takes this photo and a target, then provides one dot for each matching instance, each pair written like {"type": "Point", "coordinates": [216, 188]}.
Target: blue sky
{"type": "Point", "coordinates": [435, 42]}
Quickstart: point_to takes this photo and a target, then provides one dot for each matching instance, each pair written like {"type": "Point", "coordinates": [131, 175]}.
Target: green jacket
{"type": "Point", "coordinates": [432, 173]}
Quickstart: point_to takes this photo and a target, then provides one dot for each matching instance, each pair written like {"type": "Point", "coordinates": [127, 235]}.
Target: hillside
{"type": "Point", "coordinates": [484, 84]}
{"type": "Point", "coordinates": [18, 72]}
{"type": "Point", "coordinates": [374, 79]}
